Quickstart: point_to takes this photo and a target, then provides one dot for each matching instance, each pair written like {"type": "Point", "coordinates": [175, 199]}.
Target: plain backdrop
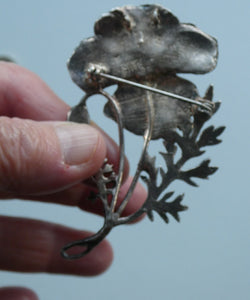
{"type": "Point", "coordinates": [205, 256]}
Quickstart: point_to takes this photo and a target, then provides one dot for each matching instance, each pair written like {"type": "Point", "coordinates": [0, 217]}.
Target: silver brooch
{"type": "Point", "coordinates": [141, 50]}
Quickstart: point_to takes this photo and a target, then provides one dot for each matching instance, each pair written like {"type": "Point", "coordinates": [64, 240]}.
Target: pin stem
{"type": "Point", "coordinates": [151, 89]}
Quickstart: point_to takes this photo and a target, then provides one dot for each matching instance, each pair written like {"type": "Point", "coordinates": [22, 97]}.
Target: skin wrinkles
{"type": "Point", "coordinates": [19, 148]}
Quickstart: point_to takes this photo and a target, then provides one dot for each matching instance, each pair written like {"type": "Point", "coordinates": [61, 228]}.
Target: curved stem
{"type": "Point", "coordinates": [118, 117]}
{"type": "Point", "coordinates": [88, 243]}
{"type": "Point", "coordinates": [147, 138]}
{"type": "Point", "coordinates": [133, 217]}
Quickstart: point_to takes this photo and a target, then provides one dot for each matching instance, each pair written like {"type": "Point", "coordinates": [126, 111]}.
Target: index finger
{"type": "Point", "coordinates": [23, 94]}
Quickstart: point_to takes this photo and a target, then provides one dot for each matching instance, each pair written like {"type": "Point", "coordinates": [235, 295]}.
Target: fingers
{"type": "Point", "coordinates": [23, 94]}
{"type": "Point", "coordinates": [82, 195]}
{"type": "Point", "coordinates": [44, 157]}
{"type": "Point", "coordinates": [17, 293]}
{"type": "Point", "coordinates": [34, 246]}
{"type": "Point", "coordinates": [38, 158]}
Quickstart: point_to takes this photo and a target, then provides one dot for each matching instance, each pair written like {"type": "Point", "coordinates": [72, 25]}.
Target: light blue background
{"type": "Point", "coordinates": [207, 255]}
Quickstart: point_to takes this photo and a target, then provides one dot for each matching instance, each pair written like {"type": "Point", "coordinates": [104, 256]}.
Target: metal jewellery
{"type": "Point", "coordinates": [141, 50]}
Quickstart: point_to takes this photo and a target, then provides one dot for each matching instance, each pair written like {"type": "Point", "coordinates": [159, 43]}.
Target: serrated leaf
{"type": "Point", "coordinates": [202, 171]}
{"type": "Point", "coordinates": [210, 135]}
{"type": "Point", "coordinates": [177, 207]}
{"type": "Point", "coordinates": [173, 208]}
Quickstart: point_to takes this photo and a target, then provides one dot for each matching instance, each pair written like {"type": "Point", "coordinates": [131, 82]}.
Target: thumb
{"type": "Point", "coordinates": [45, 157]}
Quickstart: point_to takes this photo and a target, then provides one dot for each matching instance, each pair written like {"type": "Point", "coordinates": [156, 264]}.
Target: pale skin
{"type": "Point", "coordinates": [39, 163]}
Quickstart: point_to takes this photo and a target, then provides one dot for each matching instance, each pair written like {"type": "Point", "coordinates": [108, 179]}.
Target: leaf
{"type": "Point", "coordinates": [162, 207]}
{"type": "Point", "coordinates": [210, 135]}
{"type": "Point", "coordinates": [176, 207]}
{"type": "Point", "coordinates": [202, 171]}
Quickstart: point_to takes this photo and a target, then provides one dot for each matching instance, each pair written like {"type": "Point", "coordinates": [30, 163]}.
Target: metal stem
{"type": "Point", "coordinates": [87, 244]}
{"type": "Point", "coordinates": [118, 116]}
{"type": "Point", "coordinates": [147, 138]}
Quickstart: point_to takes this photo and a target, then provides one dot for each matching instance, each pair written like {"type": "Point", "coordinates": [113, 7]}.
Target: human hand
{"type": "Point", "coordinates": [44, 158]}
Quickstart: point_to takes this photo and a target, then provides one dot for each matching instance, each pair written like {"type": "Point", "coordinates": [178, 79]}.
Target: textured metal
{"type": "Point", "coordinates": [135, 42]}
{"type": "Point", "coordinates": [170, 114]}
{"type": "Point", "coordinates": [141, 49]}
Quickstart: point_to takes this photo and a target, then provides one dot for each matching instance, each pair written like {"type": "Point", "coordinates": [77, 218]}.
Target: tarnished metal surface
{"type": "Point", "coordinates": [169, 114]}
{"type": "Point", "coordinates": [141, 49]}
{"type": "Point", "coordinates": [136, 41]}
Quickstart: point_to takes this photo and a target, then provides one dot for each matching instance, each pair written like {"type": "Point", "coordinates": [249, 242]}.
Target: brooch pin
{"type": "Point", "coordinates": [141, 50]}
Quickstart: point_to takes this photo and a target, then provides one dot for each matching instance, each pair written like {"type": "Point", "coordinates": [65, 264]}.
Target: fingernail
{"type": "Point", "coordinates": [78, 142]}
